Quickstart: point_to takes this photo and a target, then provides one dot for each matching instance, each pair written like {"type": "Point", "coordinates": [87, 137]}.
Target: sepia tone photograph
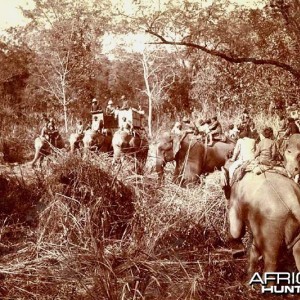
{"type": "Point", "coordinates": [149, 149]}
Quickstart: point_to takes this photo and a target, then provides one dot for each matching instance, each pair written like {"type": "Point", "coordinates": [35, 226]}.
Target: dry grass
{"type": "Point", "coordinates": [82, 229]}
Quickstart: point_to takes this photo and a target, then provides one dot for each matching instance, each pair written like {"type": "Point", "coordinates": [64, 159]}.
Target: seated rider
{"type": "Point", "coordinates": [282, 126]}
{"type": "Point", "coordinates": [95, 106]}
{"type": "Point", "coordinates": [266, 149]}
{"type": "Point", "coordinates": [215, 131]}
{"type": "Point", "coordinates": [126, 126]}
{"type": "Point", "coordinates": [125, 104]}
{"type": "Point", "coordinates": [244, 151]}
{"type": "Point", "coordinates": [110, 109]}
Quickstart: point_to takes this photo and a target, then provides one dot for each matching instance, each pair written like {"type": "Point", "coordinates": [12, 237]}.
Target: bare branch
{"type": "Point", "coordinates": [230, 58]}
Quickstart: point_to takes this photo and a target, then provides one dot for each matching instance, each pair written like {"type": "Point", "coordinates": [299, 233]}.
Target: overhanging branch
{"type": "Point", "coordinates": [229, 58]}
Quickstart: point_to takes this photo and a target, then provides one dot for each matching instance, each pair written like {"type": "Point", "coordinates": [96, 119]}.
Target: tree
{"type": "Point", "coordinates": [14, 60]}
{"type": "Point", "coordinates": [158, 77]}
{"type": "Point", "coordinates": [229, 46]}
{"type": "Point", "coordinates": [65, 37]}
{"type": "Point", "coordinates": [267, 36]}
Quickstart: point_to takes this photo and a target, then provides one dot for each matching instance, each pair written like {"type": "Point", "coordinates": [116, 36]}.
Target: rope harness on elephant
{"type": "Point", "coordinates": [278, 195]}
{"type": "Point", "coordinates": [186, 158]}
{"type": "Point", "coordinates": [53, 148]}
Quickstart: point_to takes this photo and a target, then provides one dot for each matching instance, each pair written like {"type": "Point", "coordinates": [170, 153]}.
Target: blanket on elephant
{"type": "Point", "coordinates": [257, 168]}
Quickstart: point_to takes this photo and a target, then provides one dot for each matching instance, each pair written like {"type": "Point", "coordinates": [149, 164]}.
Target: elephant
{"type": "Point", "coordinates": [132, 144]}
{"type": "Point", "coordinates": [75, 141]}
{"type": "Point", "coordinates": [269, 205]}
{"type": "Point", "coordinates": [94, 140]}
{"type": "Point", "coordinates": [44, 148]}
{"type": "Point", "coordinates": [292, 155]}
{"type": "Point", "coordinates": [192, 157]}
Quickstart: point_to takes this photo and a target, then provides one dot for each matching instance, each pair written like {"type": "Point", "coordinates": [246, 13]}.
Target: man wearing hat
{"type": "Point", "coordinates": [94, 105]}
{"type": "Point", "coordinates": [125, 104]}
{"type": "Point", "coordinates": [266, 149]}
{"type": "Point", "coordinates": [110, 109]}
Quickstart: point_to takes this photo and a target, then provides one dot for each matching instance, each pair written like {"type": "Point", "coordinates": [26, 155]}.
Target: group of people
{"type": "Point", "coordinates": [110, 109]}
{"type": "Point", "coordinates": [250, 145]}
{"type": "Point", "coordinates": [248, 149]}
{"type": "Point", "coordinates": [211, 130]}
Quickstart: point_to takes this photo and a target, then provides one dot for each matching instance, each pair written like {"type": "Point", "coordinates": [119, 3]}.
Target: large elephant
{"type": "Point", "coordinates": [269, 204]}
{"type": "Point", "coordinates": [192, 157]}
{"type": "Point", "coordinates": [94, 140]}
{"type": "Point", "coordinates": [134, 145]}
{"type": "Point", "coordinates": [292, 155]}
{"type": "Point", "coordinates": [44, 148]}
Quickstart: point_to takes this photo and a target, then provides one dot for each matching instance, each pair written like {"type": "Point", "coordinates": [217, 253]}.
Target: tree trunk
{"type": "Point", "coordinates": [65, 117]}
{"type": "Point", "coordinates": [150, 116]}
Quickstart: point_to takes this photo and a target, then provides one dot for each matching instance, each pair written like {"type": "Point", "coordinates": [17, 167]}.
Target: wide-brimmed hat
{"type": "Point", "coordinates": [94, 100]}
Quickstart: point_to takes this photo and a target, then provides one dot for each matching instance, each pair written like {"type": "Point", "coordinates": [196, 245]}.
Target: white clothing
{"type": "Point", "coordinates": [244, 151]}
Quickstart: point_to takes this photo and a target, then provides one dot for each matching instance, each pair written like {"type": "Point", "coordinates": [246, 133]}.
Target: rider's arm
{"type": "Point", "coordinates": [273, 150]}
{"type": "Point", "coordinates": [258, 150]}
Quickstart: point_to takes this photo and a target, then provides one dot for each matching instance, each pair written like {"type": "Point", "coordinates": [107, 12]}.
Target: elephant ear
{"type": "Point", "coordinates": [177, 143]}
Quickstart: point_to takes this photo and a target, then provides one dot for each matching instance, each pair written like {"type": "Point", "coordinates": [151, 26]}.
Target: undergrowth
{"type": "Point", "coordinates": [82, 229]}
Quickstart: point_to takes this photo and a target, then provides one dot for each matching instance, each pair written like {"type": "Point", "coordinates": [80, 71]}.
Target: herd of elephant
{"type": "Point", "coordinates": [267, 203]}
{"type": "Point", "coordinates": [119, 143]}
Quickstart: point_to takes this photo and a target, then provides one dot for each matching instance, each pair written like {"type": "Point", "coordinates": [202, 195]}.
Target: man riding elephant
{"type": "Point", "coordinates": [215, 131]}
{"type": "Point", "coordinates": [192, 157]}
{"type": "Point", "coordinates": [47, 141]}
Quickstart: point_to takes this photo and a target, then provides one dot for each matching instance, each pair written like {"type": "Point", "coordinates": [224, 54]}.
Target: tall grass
{"type": "Point", "coordinates": [82, 229]}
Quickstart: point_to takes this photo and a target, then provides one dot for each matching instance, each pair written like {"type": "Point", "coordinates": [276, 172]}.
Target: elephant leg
{"type": "Point", "coordinates": [253, 260]}
{"type": "Point", "coordinates": [236, 224]}
{"type": "Point", "coordinates": [296, 254]}
{"type": "Point", "coordinates": [176, 173]}
{"type": "Point", "coordinates": [270, 254]}
{"type": "Point", "coordinates": [36, 157]}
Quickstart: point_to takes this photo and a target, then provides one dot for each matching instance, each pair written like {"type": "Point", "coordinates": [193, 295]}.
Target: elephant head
{"type": "Point", "coordinates": [292, 155]}
{"type": "Point", "coordinates": [133, 145]}
{"type": "Point", "coordinates": [94, 140]}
